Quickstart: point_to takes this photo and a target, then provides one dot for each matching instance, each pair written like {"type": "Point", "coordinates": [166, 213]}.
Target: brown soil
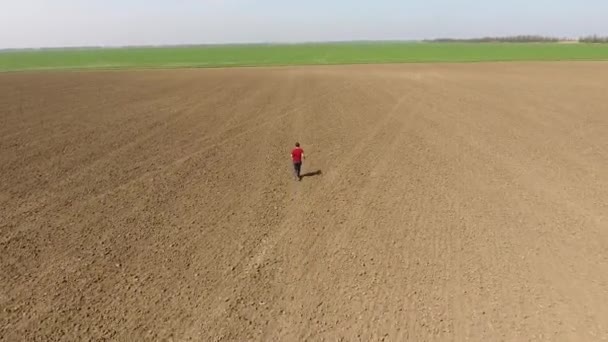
{"type": "Point", "coordinates": [454, 202]}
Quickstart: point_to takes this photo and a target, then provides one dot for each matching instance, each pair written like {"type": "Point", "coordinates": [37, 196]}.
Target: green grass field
{"type": "Point", "coordinates": [297, 54]}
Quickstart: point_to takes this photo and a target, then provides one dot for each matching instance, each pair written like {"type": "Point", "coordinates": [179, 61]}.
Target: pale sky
{"type": "Point", "coordinates": [57, 23]}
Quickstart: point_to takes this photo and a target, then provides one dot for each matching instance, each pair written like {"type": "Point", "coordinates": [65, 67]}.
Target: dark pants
{"type": "Point", "coordinates": [297, 167]}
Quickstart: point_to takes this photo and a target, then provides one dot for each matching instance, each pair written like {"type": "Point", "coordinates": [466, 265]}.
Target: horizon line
{"type": "Point", "coordinates": [185, 45]}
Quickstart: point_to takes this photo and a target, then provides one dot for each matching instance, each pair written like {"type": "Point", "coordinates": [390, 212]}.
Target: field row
{"type": "Point", "coordinates": [443, 202]}
{"type": "Point", "coordinates": [295, 54]}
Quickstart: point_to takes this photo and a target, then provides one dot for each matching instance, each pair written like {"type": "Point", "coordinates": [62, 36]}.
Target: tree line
{"type": "Point", "coordinates": [593, 39]}
{"type": "Point", "coordinates": [521, 39]}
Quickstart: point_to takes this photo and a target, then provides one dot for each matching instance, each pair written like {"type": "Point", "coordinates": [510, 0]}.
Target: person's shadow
{"type": "Point", "coordinates": [311, 174]}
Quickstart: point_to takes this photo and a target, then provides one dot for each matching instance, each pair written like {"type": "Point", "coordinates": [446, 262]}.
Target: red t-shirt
{"type": "Point", "coordinates": [296, 155]}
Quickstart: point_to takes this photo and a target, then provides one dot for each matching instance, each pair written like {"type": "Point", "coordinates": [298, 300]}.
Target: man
{"type": "Point", "coordinates": [297, 155]}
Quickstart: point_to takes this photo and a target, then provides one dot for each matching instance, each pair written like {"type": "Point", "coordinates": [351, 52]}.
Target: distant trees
{"type": "Point", "coordinates": [508, 39]}
{"type": "Point", "coordinates": [522, 39]}
{"type": "Point", "coordinates": [594, 39]}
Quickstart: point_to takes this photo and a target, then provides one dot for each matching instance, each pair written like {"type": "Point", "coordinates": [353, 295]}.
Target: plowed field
{"type": "Point", "coordinates": [442, 202]}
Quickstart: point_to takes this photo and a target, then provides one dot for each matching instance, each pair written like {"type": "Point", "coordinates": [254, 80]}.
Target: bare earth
{"type": "Point", "coordinates": [455, 202]}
